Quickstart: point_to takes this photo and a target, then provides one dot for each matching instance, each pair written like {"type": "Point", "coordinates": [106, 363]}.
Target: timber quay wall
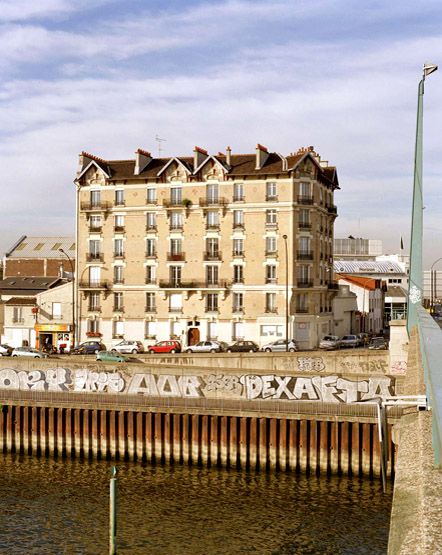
{"type": "Point", "coordinates": [313, 412]}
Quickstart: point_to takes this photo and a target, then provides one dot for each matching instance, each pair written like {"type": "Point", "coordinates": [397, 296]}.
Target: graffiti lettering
{"type": "Point", "coordinates": [310, 364]}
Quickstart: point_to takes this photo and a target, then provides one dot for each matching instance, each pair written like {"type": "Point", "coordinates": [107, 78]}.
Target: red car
{"type": "Point", "coordinates": [165, 347]}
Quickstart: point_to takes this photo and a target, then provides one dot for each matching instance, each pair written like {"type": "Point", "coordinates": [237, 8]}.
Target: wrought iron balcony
{"type": "Point", "coordinates": [118, 308]}
{"type": "Point", "coordinates": [304, 255]}
{"type": "Point", "coordinates": [305, 225]}
{"type": "Point", "coordinates": [305, 199]}
{"type": "Point", "coordinates": [176, 256]}
{"type": "Point", "coordinates": [304, 284]}
{"type": "Point", "coordinates": [150, 309]}
{"type": "Point", "coordinates": [212, 255]}
{"type": "Point", "coordinates": [151, 227]}
{"type": "Point", "coordinates": [93, 284]}
{"type": "Point", "coordinates": [101, 206]}
{"type": "Point", "coordinates": [213, 201]}
{"type": "Point", "coordinates": [332, 209]}
{"type": "Point", "coordinates": [119, 228]}
{"type": "Point", "coordinates": [94, 257]}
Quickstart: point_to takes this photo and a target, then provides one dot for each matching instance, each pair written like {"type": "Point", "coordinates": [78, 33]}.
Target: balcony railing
{"type": "Point", "coordinates": [151, 254]}
{"type": "Point", "coordinates": [304, 255]}
{"type": "Point", "coordinates": [95, 228]}
{"type": "Point", "coordinates": [213, 201]}
{"type": "Point", "coordinates": [272, 225]}
{"type": "Point", "coordinates": [89, 206]}
{"type": "Point", "coordinates": [237, 280]}
{"type": "Point", "coordinates": [94, 257]}
{"type": "Point", "coordinates": [151, 227]}
{"type": "Point", "coordinates": [119, 228]}
{"type": "Point", "coordinates": [238, 225]}
{"type": "Point", "coordinates": [93, 284]}
{"type": "Point", "coordinates": [213, 227]}
{"type": "Point", "coordinates": [176, 309]}
{"type": "Point", "coordinates": [271, 280]}
{"type": "Point", "coordinates": [177, 284]}
{"type": "Point", "coordinates": [119, 255]}
{"type": "Point", "coordinates": [238, 253]}
{"type": "Point", "coordinates": [173, 203]}
{"type": "Point", "coordinates": [150, 309]}
{"type": "Point", "coordinates": [120, 202]}
{"type": "Point", "coordinates": [151, 201]}
{"type": "Point", "coordinates": [270, 198]}
{"type": "Point", "coordinates": [118, 308]}
{"type": "Point", "coordinates": [176, 227]}
{"type": "Point", "coordinates": [176, 256]}
{"type": "Point", "coordinates": [271, 252]}
{"type": "Point", "coordinates": [305, 225]}
{"type": "Point", "coordinates": [301, 310]}
{"type": "Point", "coordinates": [332, 209]}
{"type": "Point", "coordinates": [238, 310]}
{"type": "Point", "coordinates": [305, 199]}
{"type": "Point", "coordinates": [212, 255]}
{"type": "Point", "coordinates": [94, 308]}
{"type": "Point", "coordinates": [271, 310]}
{"type": "Point", "coordinates": [304, 284]}
{"type": "Point", "coordinates": [238, 198]}
{"type": "Point", "coordinates": [211, 308]}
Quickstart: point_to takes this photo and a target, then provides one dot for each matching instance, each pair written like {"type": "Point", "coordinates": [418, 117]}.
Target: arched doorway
{"type": "Point", "coordinates": [193, 336]}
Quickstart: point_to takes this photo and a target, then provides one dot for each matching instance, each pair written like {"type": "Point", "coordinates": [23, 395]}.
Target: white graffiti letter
{"type": "Point", "coordinates": [56, 379]}
{"type": "Point", "coordinates": [282, 387]}
{"type": "Point", "coordinates": [9, 379]}
{"type": "Point", "coordinates": [304, 386]}
{"type": "Point", "coordinates": [136, 386]}
{"type": "Point", "coordinates": [377, 387]}
{"type": "Point", "coordinates": [267, 389]}
{"type": "Point", "coordinates": [189, 386]}
{"type": "Point", "coordinates": [325, 386]}
{"type": "Point", "coordinates": [253, 386]}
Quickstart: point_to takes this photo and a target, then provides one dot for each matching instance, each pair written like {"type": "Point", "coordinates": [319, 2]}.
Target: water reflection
{"type": "Point", "coordinates": [61, 506]}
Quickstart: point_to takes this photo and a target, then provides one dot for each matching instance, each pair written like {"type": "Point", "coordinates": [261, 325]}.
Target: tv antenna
{"type": "Point", "coordinates": [159, 140]}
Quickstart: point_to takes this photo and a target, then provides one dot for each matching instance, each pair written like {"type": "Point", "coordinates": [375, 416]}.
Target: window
{"type": "Point", "coordinates": [151, 274]}
{"type": "Point", "coordinates": [304, 274]}
{"type": "Point", "coordinates": [119, 197]}
{"type": "Point", "coordinates": [17, 315]}
{"type": "Point", "coordinates": [151, 196]}
{"type": "Point", "coordinates": [238, 273]}
{"type": "Point", "coordinates": [94, 301]}
{"type": "Point", "coordinates": [119, 223]}
{"type": "Point", "coordinates": [212, 302]}
{"type": "Point", "coordinates": [118, 301]}
{"type": "Point", "coordinates": [150, 330]}
{"type": "Point", "coordinates": [118, 330]}
{"type": "Point", "coordinates": [176, 329]}
{"type": "Point", "coordinates": [176, 302]}
{"type": "Point", "coordinates": [238, 331]}
{"type": "Point", "coordinates": [301, 303]}
{"type": "Point", "coordinates": [39, 246]}
{"type": "Point", "coordinates": [270, 302]}
{"type": "Point", "coordinates": [238, 192]}
{"type": "Point", "coordinates": [95, 198]}
{"type": "Point", "coordinates": [212, 218]}
{"type": "Point", "coordinates": [271, 218]}
{"type": "Point", "coordinates": [270, 273]}
{"type": "Point", "coordinates": [151, 220]}
{"type": "Point", "coordinates": [304, 218]}
{"type": "Point", "coordinates": [151, 302]}
{"type": "Point", "coordinates": [176, 195]}
{"type": "Point", "coordinates": [56, 310]}
{"type": "Point", "coordinates": [212, 331]}
{"type": "Point", "coordinates": [238, 247]}
{"type": "Point", "coordinates": [118, 274]}
{"type": "Point", "coordinates": [56, 247]}
{"type": "Point", "coordinates": [94, 249]}
{"type": "Point", "coordinates": [94, 275]}
{"type": "Point", "coordinates": [212, 193]}
{"type": "Point", "coordinates": [93, 326]}
{"type": "Point", "coordinates": [176, 220]}
{"type": "Point", "coordinates": [304, 244]}
{"type": "Point", "coordinates": [238, 218]}
{"type": "Point", "coordinates": [175, 275]}
{"type": "Point", "coordinates": [238, 302]}
{"type": "Point", "coordinates": [95, 222]}
{"type": "Point", "coordinates": [270, 330]}
{"type": "Point", "coordinates": [176, 247]}
{"type": "Point", "coordinates": [212, 246]}
{"type": "Point", "coordinates": [271, 191]}
{"type": "Point", "coordinates": [270, 245]}
{"type": "Point", "coordinates": [304, 189]}
{"type": "Point", "coordinates": [118, 247]}
{"type": "Point", "coordinates": [212, 275]}
{"type": "Point", "coordinates": [151, 247]}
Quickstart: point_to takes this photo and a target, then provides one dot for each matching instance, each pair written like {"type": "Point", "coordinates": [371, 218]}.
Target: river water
{"type": "Point", "coordinates": [52, 506]}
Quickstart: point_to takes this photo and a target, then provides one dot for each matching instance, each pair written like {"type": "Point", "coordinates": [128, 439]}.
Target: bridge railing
{"type": "Point", "coordinates": [430, 336]}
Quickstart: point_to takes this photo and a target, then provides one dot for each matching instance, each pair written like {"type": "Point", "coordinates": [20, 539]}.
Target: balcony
{"type": "Point", "coordinates": [151, 227]}
{"type": "Point", "coordinates": [102, 206]}
{"type": "Point", "coordinates": [332, 209]}
{"type": "Point", "coordinates": [238, 198]}
{"type": "Point", "coordinates": [238, 253]}
{"type": "Point", "coordinates": [176, 256]}
{"type": "Point", "coordinates": [118, 281]}
{"type": "Point", "coordinates": [271, 280]}
{"type": "Point", "coordinates": [301, 310]}
{"type": "Point", "coordinates": [94, 308]}
{"type": "Point", "coordinates": [213, 227]}
{"type": "Point", "coordinates": [305, 199]}
{"type": "Point", "coordinates": [271, 252]}
{"type": "Point", "coordinates": [238, 281]}
{"type": "Point", "coordinates": [95, 228]}
{"type": "Point", "coordinates": [151, 254]}
{"type": "Point", "coordinates": [304, 284]}
{"type": "Point", "coordinates": [272, 198]}
{"type": "Point", "coordinates": [119, 255]}
{"type": "Point", "coordinates": [176, 309]}
{"type": "Point", "coordinates": [215, 255]}
{"type": "Point", "coordinates": [120, 202]}
{"type": "Point", "coordinates": [177, 284]}
{"type": "Point", "coordinates": [271, 310]}
{"type": "Point", "coordinates": [305, 225]}
{"type": "Point", "coordinates": [237, 310]}
{"type": "Point", "coordinates": [271, 225]}
{"type": "Point", "coordinates": [151, 309]}
{"type": "Point", "coordinates": [93, 284]}
{"type": "Point", "coordinates": [304, 255]}
{"type": "Point", "coordinates": [213, 201]}
{"type": "Point", "coordinates": [119, 229]}
{"type": "Point", "coordinates": [118, 308]}
{"type": "Point", "coordinates": [238, 225]}
{"type": "Point", "coordinates": [94, 257]}
{"type": "Point", "coordinates": [151, 201]}
{"type": "Point", "coordinates": [211, 308]}
{"type": "Point", "coordinates": [176, 227]}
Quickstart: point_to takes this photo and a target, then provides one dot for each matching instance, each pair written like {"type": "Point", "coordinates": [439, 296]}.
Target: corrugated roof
{"type": "Point", "coordinates": [366, 267]}
{"type": "Point", "coordinates": [43, 247]}
{"type": "Point", "coordinates": [20, 301]}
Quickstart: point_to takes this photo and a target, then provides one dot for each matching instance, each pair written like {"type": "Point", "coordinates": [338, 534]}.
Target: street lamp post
{"type": "Point", "coordinates": [286, 293]}
{"type": "Point", "coordinates": [73, 293]}
{"type": "Point", "coordinates": [415, 282]}
{"type": "Point", "coordinates": [433, 284]}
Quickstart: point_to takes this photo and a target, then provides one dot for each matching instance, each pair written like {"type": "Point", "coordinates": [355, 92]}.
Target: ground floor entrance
{"type": "Point", "coordinates": [54, 336]}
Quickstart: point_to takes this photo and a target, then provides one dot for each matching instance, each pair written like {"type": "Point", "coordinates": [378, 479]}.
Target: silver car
{"type": "Point", "coordinates": [329, 342]}
{"type": "Point", "coordinates": [128, 347]}
{"type": "Point", "coordinates": [28, 352]}
{"type": "Point", "coordinates": [206, 347]}
{"type": "Point", "coordinates": [280, 346]}
{"type": "Point", "coordinates": [349, 341]}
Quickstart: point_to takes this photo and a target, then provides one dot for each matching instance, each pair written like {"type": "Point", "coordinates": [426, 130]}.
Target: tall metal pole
{"type": "Point", "coordinates": [73, 294]}
{"type": "Point", "coordinates": [433, 284]}
{"type": "Point", "coordinates": [113, 512]}
{"type": "Point", "coordinates": [286, 294]}
{"type": "Point", "coordinates": [415, 283]}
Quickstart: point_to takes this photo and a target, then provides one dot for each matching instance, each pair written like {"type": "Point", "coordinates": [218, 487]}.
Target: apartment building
{"type": "Point", "coordinates": [205, 247]}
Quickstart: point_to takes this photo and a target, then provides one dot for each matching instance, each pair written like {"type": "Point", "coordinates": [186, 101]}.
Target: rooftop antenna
{"type": "Point", "coordinates": [159, 140]}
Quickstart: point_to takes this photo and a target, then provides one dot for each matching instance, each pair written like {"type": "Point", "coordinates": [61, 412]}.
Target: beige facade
{"type": "Point", "coordinates": [194, 247]}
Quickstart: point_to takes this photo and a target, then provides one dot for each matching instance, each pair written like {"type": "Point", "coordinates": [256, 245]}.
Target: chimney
{"type": "Point", "coordinates": [228, 155]}
{"type": "Point", "coordinates": [83, 161]}
{"type": "Point", "coordinates": [261, 156]}
{"type": "Point", "coordinates": [142, 159]}
{"type": "Point", "coordinates": [199, 155]}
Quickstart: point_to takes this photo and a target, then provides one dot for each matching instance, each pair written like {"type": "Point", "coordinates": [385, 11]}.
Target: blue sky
{"type": "Point", "coordinates": [107, 76]}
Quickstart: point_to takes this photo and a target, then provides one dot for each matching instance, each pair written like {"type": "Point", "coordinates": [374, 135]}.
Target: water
{"type": "Point", "coordinates": [61, 506]}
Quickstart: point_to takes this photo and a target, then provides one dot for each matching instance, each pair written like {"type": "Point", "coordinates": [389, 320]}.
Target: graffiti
{"type": "Point", "coordinates": [310, 364]}
{"type": "Point", "coordinates": [374, 366]}
{"type": "Point", "coordinates": [328, 389]}
{"type": "Point", "coordinates": [399, 367]}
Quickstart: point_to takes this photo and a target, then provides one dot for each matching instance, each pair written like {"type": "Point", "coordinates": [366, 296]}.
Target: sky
{"type": "Point", "coordinates": [108, 76]}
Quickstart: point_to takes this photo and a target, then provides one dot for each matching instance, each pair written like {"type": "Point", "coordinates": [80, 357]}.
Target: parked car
{"type": "Point", "coordinates": [280, 346]}
{"type": "Point", "coordinates": [378, 343]}
{"type": "Point", "coordinates": [165, 347]}
{"type": "Point", "coordinates": [5, 350]}
{"type": "Point", "coordinates": [128, 347]}
{"type": "Point", "coordinates": [88, 348]}
{"type": "Point", "coordinates": [206, 347]}
{"type": "Point", "coordinates": [28, 352]}
{"type": "Point", "coordinates": [110, 356]}
{"type": "Point", "coordinates": [243, 347]}
{"type": "Point", "coordinates": [349, 341]}
{"type": "Point", "coordinates": [364, 339]}
{"type": "Point", "coordinates": [329, 342]}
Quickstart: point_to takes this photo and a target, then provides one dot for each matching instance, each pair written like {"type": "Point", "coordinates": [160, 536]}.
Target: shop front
{"type": "Point", "coordinates": [56, 336]}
